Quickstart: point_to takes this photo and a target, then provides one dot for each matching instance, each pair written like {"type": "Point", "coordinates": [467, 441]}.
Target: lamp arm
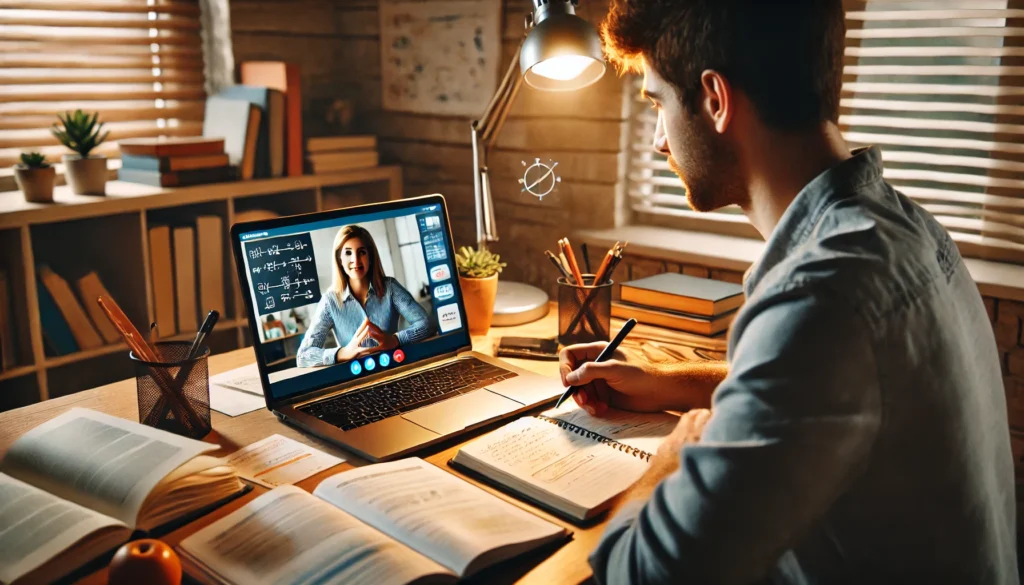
{"type": "Point", "coordinates": [484, 133]}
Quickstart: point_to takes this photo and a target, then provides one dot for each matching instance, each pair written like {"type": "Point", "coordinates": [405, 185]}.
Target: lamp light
{"type": "Point", "coordinates": [560, 52]}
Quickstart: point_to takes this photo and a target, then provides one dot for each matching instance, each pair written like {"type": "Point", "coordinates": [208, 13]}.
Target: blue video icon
{"type": "Point", "coordinates": [356, 368]}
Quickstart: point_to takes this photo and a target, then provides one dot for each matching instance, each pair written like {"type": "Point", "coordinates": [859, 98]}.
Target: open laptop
{"type": "Point", "coordinates": [384, 404]}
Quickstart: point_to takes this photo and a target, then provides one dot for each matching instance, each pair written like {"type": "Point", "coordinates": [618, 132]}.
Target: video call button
{"type": "Point", "coordinates": [384, 360]}
{"type": "Point", "coordinates": [369, 364]}
{"type": "Point", "coordinates": [399, 356]}
{"type": "Point", "coordinates": [356, 368]}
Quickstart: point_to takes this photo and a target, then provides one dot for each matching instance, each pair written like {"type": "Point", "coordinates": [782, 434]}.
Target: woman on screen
{"type": "Point", "coordinates": [362, 306]}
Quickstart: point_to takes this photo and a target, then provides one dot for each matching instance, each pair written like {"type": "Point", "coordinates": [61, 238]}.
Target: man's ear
{"type": "Point", "coordinates": [717, 101]}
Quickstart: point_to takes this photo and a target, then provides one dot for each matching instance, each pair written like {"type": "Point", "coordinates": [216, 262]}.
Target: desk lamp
{"type": "Point", "coordinates": [560, 52]}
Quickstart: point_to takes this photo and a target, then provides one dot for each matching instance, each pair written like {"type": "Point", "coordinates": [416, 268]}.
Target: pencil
{"type": "Point", "coordinates": [554, 260]}
{"type": "Point", "coordinates": [565, 265]}
{"type": "Point", "coordinates": [573, 266]}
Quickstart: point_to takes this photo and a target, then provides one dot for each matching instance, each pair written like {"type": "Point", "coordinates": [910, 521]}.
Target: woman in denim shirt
{"type": "Point", "coordinates": [362, 306]}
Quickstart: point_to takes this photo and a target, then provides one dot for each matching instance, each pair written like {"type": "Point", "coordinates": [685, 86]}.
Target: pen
{"type": "Point", "coordinates": [586, 257]}
{"type": "Point", "coordinates": [606, 353]}
{"type": "Point", "coordinates": [554, 260]}
{"type": "Point", "coordinates": [211, 320]}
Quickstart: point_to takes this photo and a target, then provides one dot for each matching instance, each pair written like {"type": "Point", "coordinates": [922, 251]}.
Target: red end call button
{"type": "Point", "coordinates": [398, 356]}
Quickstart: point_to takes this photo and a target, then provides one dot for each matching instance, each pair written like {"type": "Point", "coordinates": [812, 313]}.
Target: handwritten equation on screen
{"type": "Point", "coordinates": [283, 272]}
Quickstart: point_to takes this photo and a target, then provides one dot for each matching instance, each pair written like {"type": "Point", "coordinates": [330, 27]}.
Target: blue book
{"type": "Point", "coordinates": [169, 164]}
{"type": "Point", "coordinates": [270, 144]}
{"type": "Point", "coordinates": [56, 331]}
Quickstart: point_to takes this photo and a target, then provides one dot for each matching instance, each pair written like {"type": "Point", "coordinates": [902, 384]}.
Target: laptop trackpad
{"type": "Point", "coordinates": [455, 414]}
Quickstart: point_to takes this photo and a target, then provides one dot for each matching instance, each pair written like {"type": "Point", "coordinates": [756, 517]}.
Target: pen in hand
{"type": "Point", "coordinates": [607, 352]}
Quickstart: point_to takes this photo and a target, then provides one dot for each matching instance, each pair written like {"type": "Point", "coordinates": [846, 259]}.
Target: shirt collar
{"type": "Point", "coordinates": [347, 293]}
{"type": "Point", "coordinates": [803, 214]}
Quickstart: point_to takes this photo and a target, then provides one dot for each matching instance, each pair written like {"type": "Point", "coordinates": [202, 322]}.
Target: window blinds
{"type": "Point", "coordinates": [139, 63]}
{"type": "Point", "coordinates": [939, 86]}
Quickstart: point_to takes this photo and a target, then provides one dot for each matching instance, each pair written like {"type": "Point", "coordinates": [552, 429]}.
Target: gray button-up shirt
{"type": "Point", "coordinates": [345, 315]}
{"type": "Point", "coordinates": [861, 434]}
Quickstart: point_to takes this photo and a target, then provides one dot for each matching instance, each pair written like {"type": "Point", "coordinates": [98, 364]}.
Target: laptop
{"type": "Point", "coordinates": [427, 385]}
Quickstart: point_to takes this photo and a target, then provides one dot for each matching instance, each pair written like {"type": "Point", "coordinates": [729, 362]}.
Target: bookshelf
{"type": "Point", "coordinates": [78, 234]}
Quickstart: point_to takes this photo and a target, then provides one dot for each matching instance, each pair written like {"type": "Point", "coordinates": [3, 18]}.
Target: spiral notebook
{"type": "Point", "coordinates": [567, 461]}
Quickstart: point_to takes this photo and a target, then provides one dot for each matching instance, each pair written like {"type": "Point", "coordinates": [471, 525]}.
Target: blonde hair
{"type": "Point", "coordinates": [340, 282]}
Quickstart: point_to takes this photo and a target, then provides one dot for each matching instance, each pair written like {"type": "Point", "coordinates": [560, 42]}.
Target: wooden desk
{"type": "Point", "coordinates": [568, 564]}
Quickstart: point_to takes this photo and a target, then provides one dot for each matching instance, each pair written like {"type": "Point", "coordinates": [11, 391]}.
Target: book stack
{"type": "Point", "coordinates": [175, 162]}
{"type": "Point", "coordinates": [187, 265]}
{"type": "Point", "coordinates": [274, 87]}
{"type": "Point", "coordinates": [677, 301]}
{"type": "Point", "coordinates": [72, 322]}
{"type": "Point", "coordinates": [334, 154]}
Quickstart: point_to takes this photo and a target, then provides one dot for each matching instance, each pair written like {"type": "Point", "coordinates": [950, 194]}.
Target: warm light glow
{"type": "Point", "coordinates": [562, 68]}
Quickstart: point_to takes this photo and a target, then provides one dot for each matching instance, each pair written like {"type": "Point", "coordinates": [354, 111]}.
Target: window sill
{"type": "Point", "coordinates": [995, 279]}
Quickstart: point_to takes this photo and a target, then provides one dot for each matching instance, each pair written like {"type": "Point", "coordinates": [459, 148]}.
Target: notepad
{"type": "Point", "coordinates": [387, 524]}
{"type": "Point", "coordinates": [566, 460]}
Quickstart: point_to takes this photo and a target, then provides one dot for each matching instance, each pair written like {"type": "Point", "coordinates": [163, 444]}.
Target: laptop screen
{"type": "Point", "coordinates": [341, 296]}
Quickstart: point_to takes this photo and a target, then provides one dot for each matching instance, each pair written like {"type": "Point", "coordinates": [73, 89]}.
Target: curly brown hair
{"type": "Point", "coordinates": [785, 55]}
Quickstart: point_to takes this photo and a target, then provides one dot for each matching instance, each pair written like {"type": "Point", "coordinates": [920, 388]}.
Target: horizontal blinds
{"type": "Point", "coordinates": [139, 63]}
{"type": "Point", "coordinates": [939, 86]}
{"type": "Point", "coordinates": [941, 90]}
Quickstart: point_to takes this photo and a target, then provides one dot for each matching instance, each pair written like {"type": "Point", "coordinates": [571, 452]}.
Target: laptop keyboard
{"type": "Point", "coordinates": [355, 409]}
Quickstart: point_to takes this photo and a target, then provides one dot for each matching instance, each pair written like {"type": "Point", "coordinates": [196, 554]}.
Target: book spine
{"type": "Point", "coordinates": [645, 455]}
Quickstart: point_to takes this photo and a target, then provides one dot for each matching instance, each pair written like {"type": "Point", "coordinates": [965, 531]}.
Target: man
{"type": "Point", "coordinates": [858, 433]}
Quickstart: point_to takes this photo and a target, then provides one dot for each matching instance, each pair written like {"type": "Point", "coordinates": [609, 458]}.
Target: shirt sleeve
{"type": "Point", "coordinates": [311, 351]}
{"type": "Point", "coordinates": [419, 323]}
{"type": "Point", "coordinates": [791, 427]}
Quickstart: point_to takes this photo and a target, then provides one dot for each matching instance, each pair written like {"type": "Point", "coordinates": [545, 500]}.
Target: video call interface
{"type": "Point", "coordinates": [304, 282]}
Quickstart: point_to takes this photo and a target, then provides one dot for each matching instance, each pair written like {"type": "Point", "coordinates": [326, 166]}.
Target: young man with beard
{"type": "Point", "coordinates": [858, 432]}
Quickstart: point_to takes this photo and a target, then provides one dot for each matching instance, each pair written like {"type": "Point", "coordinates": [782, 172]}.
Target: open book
{"type": "Point", "coordinates": [77, 486]}
{"type": "Point", "coordinates": [386, 524]}
{"type": "Point", "coordinates": [566, 460]}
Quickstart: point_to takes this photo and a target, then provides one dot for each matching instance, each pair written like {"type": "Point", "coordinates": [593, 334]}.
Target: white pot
{"type": "Point", "coordinates": [86, 176]}
{"type": "Point", "coordinates": [36, 184]}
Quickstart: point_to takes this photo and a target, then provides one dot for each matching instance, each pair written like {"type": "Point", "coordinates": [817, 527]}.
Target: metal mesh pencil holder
{"type": "Point", "coordinates": [584, 312]}
{"type": "Point", "coordinates": [174, 393]}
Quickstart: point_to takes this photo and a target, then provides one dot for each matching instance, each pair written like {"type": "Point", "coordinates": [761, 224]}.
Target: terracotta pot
{"type": "Point", "coordinates": [86, 176]}
{"type": "Point", "coordinates": [478, 296]}
{"type": "Point", "coordinates": [36, 184]}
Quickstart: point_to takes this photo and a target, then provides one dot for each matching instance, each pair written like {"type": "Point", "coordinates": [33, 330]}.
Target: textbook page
{"type": "Point", "coordinates": [540, 454]}
{"type": "Point", "coordinates": [288, 536]}
{"type": "Point", "coordinates": [36, 526]}
{"type": "Point", "coordinates": [434, 512]}
{"type": "Point", "coordinates": [643, 430]}
{"type": "Point", "coordinates": [99, 461]}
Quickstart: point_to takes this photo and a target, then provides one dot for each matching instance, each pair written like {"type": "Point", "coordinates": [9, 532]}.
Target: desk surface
{"type": "Point", "coordinates": [568, 564]}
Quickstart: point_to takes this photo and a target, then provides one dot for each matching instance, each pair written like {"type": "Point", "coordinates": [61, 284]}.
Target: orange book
{"type": "Point", "coordinates": [172, 146]}
{"type": "Point", "coordinates": [283, 77]}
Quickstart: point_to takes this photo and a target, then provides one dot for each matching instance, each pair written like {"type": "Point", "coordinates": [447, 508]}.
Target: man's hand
{"type": "Point", "coordinates": [622, 382]}
{"type": "Point", "coordinates": [631, 383]}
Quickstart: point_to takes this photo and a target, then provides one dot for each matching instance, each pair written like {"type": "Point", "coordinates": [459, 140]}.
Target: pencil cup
{"type": "Point", "coordinates": [584, 312]}
{"type": "Point", "coordinates": [174, 393]}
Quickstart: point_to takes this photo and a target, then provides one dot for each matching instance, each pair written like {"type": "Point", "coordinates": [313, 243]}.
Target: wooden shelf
{"type": "Point", "coordinates": [109, 235]}
{"type": "Point", "coordinates": [16, 372]}
{"type": "Point", "coordinates": [124, 197]}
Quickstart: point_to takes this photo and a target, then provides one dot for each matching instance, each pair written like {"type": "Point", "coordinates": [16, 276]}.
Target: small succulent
{"type": "Point", "coordinates": [478, 263]}
{"type": "Point", "coordinates": [34, 160]}
{"type": "Point", "coordinates": [79, 131]}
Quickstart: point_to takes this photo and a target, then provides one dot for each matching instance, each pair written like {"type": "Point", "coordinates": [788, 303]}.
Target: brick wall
{"type": "Point", "coordinates": [1006, 316]}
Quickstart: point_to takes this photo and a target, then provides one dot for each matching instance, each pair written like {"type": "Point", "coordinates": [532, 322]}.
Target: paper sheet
{"type": "Point", "coordinates": [234, 402]}
{"type": "Point", "coordinates": [278, 460]}
{"type": "Point", "coordinates": [245, 378]}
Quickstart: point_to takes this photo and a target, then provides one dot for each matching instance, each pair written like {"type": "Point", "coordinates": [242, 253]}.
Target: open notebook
{"type": "Point", "coordinates": [391, 523]}
{"type": "Point", "coordinates": [567, 461]}
{"type": "Point", "coordinates": [77, 486]}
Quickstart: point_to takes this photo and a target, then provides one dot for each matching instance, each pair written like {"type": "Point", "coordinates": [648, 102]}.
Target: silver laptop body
{"type": "Point", "coordinates": [503, 390]}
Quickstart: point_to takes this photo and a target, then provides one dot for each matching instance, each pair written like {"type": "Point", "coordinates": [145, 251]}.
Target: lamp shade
{"type": "Point", "coordinates": [562, 52]}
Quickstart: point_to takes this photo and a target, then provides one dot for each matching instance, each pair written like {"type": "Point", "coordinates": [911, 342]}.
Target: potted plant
{"type": "Point", "coordinates": [478, 278]}
{"type": "Point", "coordinates": [35, 177]}
{"type": "Point", "coordinates": [87, 174]}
